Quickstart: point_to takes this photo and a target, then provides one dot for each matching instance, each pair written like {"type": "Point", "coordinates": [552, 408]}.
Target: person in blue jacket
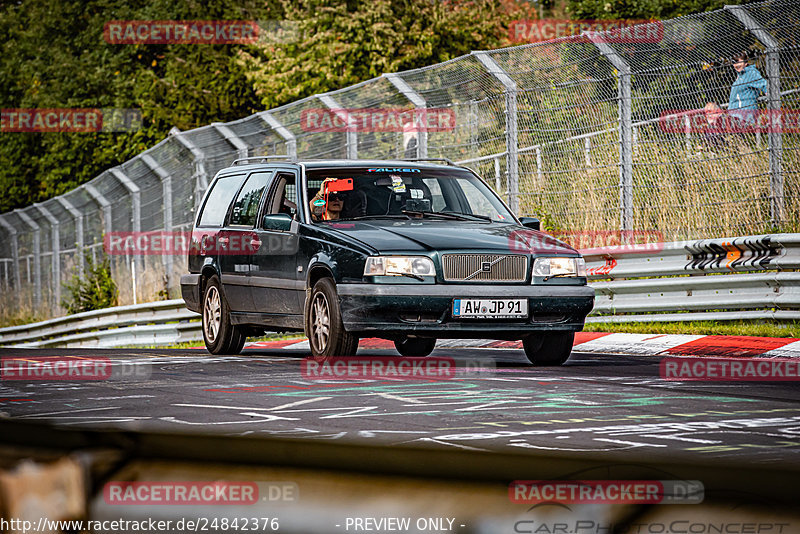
{"type": "Point", "coordinates": [746, 89]}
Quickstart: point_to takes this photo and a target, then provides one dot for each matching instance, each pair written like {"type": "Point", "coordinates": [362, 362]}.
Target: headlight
{"type": "Point", "coordinates": [399, 266]}
{"type": "Point", "coordinates": [559, 267]}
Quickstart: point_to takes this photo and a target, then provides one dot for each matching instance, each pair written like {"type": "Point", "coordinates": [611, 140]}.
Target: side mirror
{"type": "Point", "coordinates": [277, 221]}
{"type": "Point", "coordinates": [530, 222]}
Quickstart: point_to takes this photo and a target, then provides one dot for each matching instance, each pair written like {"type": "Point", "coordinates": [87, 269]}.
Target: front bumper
{"type": "Point", "coordinates": [426, 310]}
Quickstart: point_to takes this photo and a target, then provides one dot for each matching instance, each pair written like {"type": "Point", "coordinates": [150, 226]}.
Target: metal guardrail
{"type": "Point", "coordinates": [753, 277]}
{"type": "Point", "coordinates": [150, 323]}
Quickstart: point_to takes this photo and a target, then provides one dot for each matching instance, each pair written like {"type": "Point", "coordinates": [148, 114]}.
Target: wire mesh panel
{"type": "Point", "coordinates": [599, 132]}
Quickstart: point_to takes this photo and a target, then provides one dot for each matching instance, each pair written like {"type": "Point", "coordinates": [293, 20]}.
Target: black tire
{"type": "Point", "coordinates": [326, 334]}
{"type": "Point", "coordinates": [548, 348]}
{"type": "Point", "coordinates": [415, 346]}
{"type": "Point", "coordinates": [220, 336]}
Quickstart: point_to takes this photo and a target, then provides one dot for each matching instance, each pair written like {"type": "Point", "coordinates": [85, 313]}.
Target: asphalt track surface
{"type": "Point", "coordinates": [612, 403]}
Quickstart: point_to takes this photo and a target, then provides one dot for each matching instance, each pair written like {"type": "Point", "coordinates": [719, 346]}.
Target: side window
{"type": "Point", "coordinates": [285, 198]}
{"type": "Point", "coordinates": [216, 206]}
{"type": "Point", "coordinates": [245, 208]}
{"type": "Point", "coordinates": [437, 198]}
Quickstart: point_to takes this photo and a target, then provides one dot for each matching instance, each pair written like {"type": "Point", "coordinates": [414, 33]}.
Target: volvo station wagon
{"type": "Point", "coordinates": [409, 251]}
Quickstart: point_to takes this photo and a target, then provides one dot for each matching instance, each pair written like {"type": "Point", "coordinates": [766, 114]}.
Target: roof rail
{"type": "Point", "coordinates": [448, 161]}
{"type": "Point", "coordinates": [257, 159]}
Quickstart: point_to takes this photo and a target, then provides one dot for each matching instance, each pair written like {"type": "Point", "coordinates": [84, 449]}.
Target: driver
{"type": "Point", "coordinates": [326, 211]}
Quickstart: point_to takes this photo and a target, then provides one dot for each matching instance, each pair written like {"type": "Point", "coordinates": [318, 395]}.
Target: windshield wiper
{"type": "Point", "coordinates": [468, 216]}
{"type": "Point", "coordinates": [386, 216]}
{"type": "Point", "coordinates": [434, 214]}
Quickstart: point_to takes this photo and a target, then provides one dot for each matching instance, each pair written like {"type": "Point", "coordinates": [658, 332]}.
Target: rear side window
{"type": "Point", "coordinates": [245, 209]}
{"type": "Point", "coordinates": [220, 197]}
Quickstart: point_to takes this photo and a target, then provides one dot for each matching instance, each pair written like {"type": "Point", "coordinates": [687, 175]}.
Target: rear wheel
{"type": "Point", "coordinates": [220, 336]}
{"type": "Point", "coordinates": [415, 346]}
{"type": "Point", "coordinates": [326, 333]}
{"type": "Point", "coordinates": [549, 348]}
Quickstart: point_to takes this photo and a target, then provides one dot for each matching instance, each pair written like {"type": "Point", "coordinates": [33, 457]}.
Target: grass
{"type": "Point", "coordinates": [728, 328]}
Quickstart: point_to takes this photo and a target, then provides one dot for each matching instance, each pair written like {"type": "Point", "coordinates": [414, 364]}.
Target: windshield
{"type": "Point", "coordinates": [398, 192]}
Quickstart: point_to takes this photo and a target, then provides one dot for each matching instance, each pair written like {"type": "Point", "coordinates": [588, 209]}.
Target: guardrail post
{"type": "Point", "coordinates": [55, 263]}
{"type": "Point", "coordinates": [14, 250]}
{"type": "Point", "coordinates": [136, 205]}
{"type": "Point", "coordinates": [625, 130]}
{"type": "Point", "coordinates": [283, 131]}
{"type": "Point", "coordinates": [37, 257]}
{"type": "Point", "coordinates": [419, 103]}
{"type": "Point", "coordinates": [166, 192]}
{"type": "Point", "coordinates": [200, 175]}
{"type": "Point", "coordinates": [774, 135]}
{"type": "Point", "coordinates": [512, 141]}
{"type": "Point", "coordinates": [78, 216]}
{"type": "Point", "coordinates": [351, 138]}
{"type": "Point", "coordinates": [241, 147]}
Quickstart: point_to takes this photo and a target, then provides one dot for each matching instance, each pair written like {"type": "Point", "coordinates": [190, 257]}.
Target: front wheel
{"type": "Point", "coordinates": [326, 334]}
{"type": "Point", "coordinates": [548, 348]}
{"type": "Point", "coordinates": [220, 336]}
{"type": "Point", "coordinates": [415, 346]}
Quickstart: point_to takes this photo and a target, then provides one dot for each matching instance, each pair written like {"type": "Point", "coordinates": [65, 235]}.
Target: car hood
{"type": "Point", "coordinates": [423, 236]}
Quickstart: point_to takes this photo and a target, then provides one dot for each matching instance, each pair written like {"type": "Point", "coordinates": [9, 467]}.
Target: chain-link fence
{"type": "Point", "coordinates": [580, 131]}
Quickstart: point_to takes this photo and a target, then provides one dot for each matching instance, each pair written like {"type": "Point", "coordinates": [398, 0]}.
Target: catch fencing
{"type": "Point", "coordinates": [572, 130]}
{"type": "Point", "coordinates": [751, 277]}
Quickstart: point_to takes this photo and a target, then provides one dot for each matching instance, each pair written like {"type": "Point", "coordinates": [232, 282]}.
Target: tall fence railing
{"type": "Point", "coordinates": [572, 130]}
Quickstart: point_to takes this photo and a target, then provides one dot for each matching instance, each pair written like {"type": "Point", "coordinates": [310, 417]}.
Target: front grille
{"type": "Point", "coordinates": [469, 267]}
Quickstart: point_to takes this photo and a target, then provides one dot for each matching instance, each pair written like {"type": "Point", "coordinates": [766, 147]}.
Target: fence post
{"type": "Point", "coordinates": [166, 192]}
{"type": "Point", "coordinates": [78, 216]}
{"type": "Point", "coordinates": [200, 175]}
{"type": "Point", "coordinates": [351, 139]}
{"type": "Point", "coordinates": [136, 205]}
{"type": "Point", "coordinates": [283, 131]}
{"type": "Point", "coordinates": [241, 147]}
{"type": "Point", "coordinates": [37, 257]}
{"type": "Point", "coordinates": [104, 204]}
{"type": "Point", "coordinates": [14, 249]}
{"type": "Point", "coordinates": [774, 135]}
{"type": "Point", "coordinates": [55, 261]}
{"type": "Point", "coordinates": [419, 103]}
{"type": "Point", "coordinates": [512, 141]}
{"type": "Point", "coordinates": [625, 130]}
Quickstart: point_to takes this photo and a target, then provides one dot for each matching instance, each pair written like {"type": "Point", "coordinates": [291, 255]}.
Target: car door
{"type": "Point", "coordinates": [209, 232]}
{"type": "Point", "coordinates": [237, 242]}
{"type": "Point", "coordinates": [277, 285]}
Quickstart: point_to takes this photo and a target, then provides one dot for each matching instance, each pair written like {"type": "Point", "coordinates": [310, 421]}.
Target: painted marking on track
{"type": "Point", "coordinates": [681, 438]}
{"type": "Point", "coordinates": [631, 443]}
{"type": "Point", "coordinates": [389, 396]}
{"type": "Point", "coordinates": [298, 403]}
{"type": "Point", "coordinates": [47, 414]}
{"type": "Point", "coordinates": [458, 445]}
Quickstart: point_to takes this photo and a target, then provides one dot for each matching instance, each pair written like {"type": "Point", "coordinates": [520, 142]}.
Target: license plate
{"type": "Point", "coordinates": [490, 308]}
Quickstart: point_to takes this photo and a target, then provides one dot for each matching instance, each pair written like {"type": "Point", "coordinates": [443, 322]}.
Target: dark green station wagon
{"type": "Point", "coordinates": [410, 251]}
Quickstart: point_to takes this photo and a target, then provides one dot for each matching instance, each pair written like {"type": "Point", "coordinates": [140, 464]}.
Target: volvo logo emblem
{"type": "Point", "coordinates": [486, 266]}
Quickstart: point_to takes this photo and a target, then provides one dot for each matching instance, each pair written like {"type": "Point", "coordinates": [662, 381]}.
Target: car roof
{"type": "Point", "coordinates": [349, 163]}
